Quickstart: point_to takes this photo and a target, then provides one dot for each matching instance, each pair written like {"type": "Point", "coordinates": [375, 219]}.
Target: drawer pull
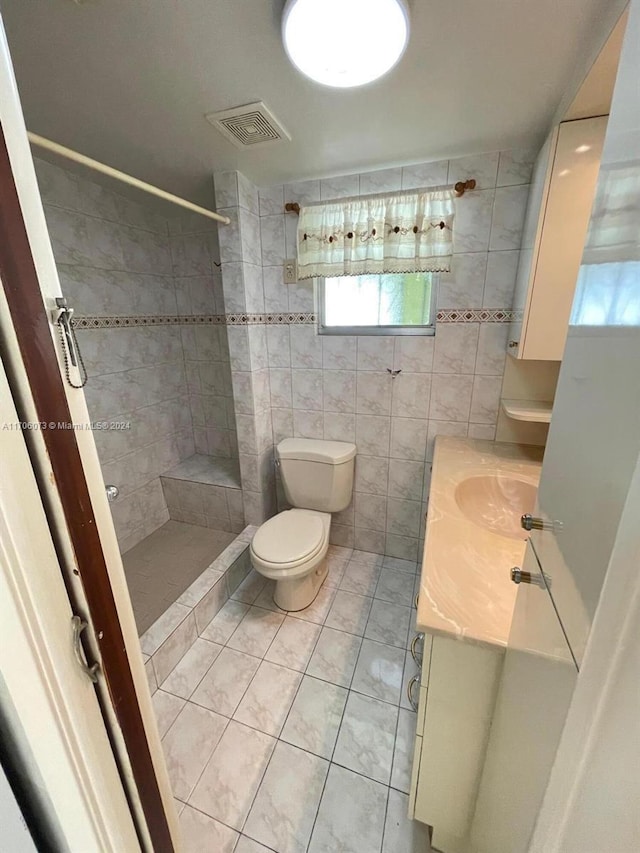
{"type": "Point", "coordinates": [417, 657]}
{"type": "Point", "coordinates": [415, 680]}
{"type": "Point", "coordinates": [415, 602]}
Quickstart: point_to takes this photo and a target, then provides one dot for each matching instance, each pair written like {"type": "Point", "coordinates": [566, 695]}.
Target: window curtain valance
{"type": "Point", "coordinates": [395, 234]}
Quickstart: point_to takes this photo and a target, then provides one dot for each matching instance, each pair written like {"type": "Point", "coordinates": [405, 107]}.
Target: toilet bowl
{"type": "Point", "coordinates": [291, 547]}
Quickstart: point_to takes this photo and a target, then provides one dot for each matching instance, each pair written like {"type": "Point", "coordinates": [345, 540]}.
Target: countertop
{"type": "Point", "coordinates": [465, 588]}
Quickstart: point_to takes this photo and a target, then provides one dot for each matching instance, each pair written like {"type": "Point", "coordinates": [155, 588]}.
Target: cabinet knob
{"type": "Point", "coordinates": [513, 344]}
{"type": "Point", "coordinates": [531, 522]}
{"type": "Point", "coordinates": [518, 575]}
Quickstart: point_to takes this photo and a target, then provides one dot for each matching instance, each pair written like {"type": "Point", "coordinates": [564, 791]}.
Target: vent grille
{"type": "Point", "coordinates": [251, 124]}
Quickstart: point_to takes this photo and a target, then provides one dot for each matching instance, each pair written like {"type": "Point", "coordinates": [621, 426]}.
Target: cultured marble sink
{"type": "Point", "coordinates": [496, 503]}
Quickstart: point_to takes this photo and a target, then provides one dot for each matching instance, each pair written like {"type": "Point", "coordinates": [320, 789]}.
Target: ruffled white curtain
{"type": "Point", "coordinates": [397, 234]}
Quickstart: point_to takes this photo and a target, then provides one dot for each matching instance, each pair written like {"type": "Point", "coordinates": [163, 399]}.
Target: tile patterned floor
{"type": "Point", "coordinates": [161, 567]}
{"type": "Point", "coordinates": [291, 732]}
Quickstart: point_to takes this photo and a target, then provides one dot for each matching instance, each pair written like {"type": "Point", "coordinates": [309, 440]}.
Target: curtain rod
{"type": "Point", "coordinates": [41, 142]}
{"type": "Point", "coordinates": [460, 188]}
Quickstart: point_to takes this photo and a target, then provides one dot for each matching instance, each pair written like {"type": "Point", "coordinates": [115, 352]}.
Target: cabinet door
{"type": "Point", "coordinates": [561, 238]}
{"type": "Point", "coordinates": [531, 234]}
{"type": "Point", "coordinates": [463, 682]}
{"type": "Point", "coordinates": [535, 690]}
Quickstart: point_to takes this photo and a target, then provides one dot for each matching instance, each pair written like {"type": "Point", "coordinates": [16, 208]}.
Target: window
{"type": "Point", "coordinates": [393, 304]}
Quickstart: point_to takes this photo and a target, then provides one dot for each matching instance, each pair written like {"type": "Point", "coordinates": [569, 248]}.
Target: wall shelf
{"type": "Point", "coordinates": [534, 411]}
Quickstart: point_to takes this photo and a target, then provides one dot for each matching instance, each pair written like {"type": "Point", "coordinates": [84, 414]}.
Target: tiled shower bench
{"type": "Point", "coordinates": [205, 490]}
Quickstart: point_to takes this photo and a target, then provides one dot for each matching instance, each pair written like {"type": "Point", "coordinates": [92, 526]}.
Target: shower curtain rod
{"type": "Point", "coordinates": [122, 176]}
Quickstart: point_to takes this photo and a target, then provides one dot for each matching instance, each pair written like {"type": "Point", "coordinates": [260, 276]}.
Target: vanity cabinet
{"type": "Point", "coordinates": [458, 688]}
{"type": "Point", "coordinates": [558, 211]}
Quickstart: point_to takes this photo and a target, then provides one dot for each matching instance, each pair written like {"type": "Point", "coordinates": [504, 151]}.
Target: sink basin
{"type": "Point", "coordinates": [496, 503]}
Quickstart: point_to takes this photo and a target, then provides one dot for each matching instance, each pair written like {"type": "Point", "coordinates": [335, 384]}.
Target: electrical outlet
{"type": "Point", "coordinates": [290, 271]}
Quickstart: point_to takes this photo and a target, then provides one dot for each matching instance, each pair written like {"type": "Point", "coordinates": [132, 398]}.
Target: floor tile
{"type": "Point", "coordinates": [256, 631]}
{"type": "Point", "coordinates": [366, 737]}
{"type": "Point", "coordinates": [401, 834]}
{"type": "Point", "coordinates": [293, 644]}
{"type": "Point", "coordinates": [166, 708]}
{"type": "Point", "coordinates": [265, 599]}
{"type": "Point", "coordinates": [340, 551]}
{"type": "Point", "coordinates": [247, 845]}
{"type": "Point", "coordinates": [379, 671]}
{"type": "Point", "coordinates": [396, 587]}
{"type": "Point", "coordinates": [266, 703]}
{"type": "Point", "coordinates": [315, 716]}
{"type": "Point", "coordinates": [185, 677]}
{"type": "Point", "coordinates": [388, 623]}
{"type": "Point", "coordinates": [286, 804]}
{"type": "Point", "coordinates": [200, 587]}
{"type": "Point", "coordinates": [163, 627]}
{"type": "Point", "coordinates": [225, 622]}
{"type": "Point", "coordinates": [335, 570]}
{"type": "Point", "coordinates": [367, 557]}
{"type": "Point", "coordinates": [351, 815]}
{"type": "Point", "coordinates": [188, 746]}
{"type": "Point", "coordinates": [349, 613]}
{"type": "Point", "coordinates": [201, 833]}
{"type": "Point", "coordinates": [403, 751]}
{"type": "Point", "coordinates": [360, 578]}
{"type": "Point", "coordinates": [395, 563]}
{"type": "Point", "coordinates": [224, 685]}
{"type": "Point", "coordinates": [150, 672]}
{"type": "Point", "coordinates": [318, 609]}
{"type": "Point", "coordinates": [231, 778]}
{"type": "Point", "coordinates": [250, 588]}
{"type": "Point", "coordinates": [334, 657]}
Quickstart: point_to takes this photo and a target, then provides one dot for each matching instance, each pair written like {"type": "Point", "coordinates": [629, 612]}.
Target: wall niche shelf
{"type": "Point", "coordinates": [533, 411]}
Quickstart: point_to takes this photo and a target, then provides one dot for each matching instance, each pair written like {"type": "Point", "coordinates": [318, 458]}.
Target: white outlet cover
{"type": "Point", "coordinates": [290, 268]}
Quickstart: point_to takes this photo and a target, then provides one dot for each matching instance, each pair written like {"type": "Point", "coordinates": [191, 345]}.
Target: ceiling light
{"type": "Point", "coordinates": [345, 43]}
{"type": "Point", "coordinates": [582, 149]}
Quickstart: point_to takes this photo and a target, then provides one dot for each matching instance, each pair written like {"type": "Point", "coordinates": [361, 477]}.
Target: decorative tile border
{"type": "Point", "coordinates": [123, 322]}
{"type": "Point", "coordinates": [293, 318]}
{"type": "Point", "coordinates": [475, 315]}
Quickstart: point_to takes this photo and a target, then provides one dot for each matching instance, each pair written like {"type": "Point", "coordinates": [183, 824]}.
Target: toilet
{"type": "Point", "coordinates": [291, 547]}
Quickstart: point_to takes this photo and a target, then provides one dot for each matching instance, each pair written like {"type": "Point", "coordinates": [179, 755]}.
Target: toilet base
{"type": "Point", "coordinates": [299, 593]}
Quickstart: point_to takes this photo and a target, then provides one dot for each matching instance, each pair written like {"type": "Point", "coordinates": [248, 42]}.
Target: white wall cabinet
{"type": "Point", "coordinates": [560, 201]}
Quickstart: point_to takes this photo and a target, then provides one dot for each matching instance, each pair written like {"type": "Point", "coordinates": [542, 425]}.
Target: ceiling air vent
{"type": "Point", "coordinates": [251, 124]}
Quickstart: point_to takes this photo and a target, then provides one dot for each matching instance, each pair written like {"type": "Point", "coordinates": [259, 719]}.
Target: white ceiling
{"type": "Point", "coordinates": [128, 82]}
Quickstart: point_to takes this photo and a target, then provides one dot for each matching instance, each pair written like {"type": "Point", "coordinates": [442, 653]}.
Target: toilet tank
{"type": "Point", "coordinates": [317, 474]}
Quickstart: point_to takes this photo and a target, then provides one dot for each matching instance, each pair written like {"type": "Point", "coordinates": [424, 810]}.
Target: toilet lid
{"type": "Point", "coordinates": [288, 537]}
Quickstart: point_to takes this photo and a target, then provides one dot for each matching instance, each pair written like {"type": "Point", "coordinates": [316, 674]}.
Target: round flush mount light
{"type": "Point", "coordinates": [345, 43]}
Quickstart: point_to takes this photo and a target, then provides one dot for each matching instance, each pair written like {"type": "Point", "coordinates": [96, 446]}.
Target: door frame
{"type": "Point", "coordinates": [67, 469]}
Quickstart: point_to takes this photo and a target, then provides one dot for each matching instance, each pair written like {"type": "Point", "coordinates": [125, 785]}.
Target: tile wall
{"type": "Point", "coordinates": [338, 387]}
{"type": "Point", "coordinates": [121, 259]}
{"type": "Point", "coordinates": [242, 282]}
